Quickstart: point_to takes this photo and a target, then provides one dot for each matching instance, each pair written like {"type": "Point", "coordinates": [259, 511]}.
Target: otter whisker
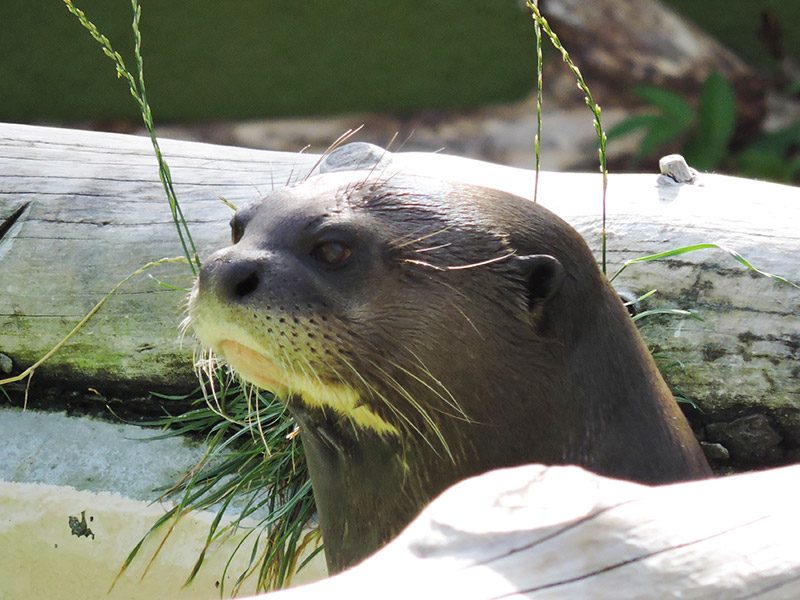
{"type": "Point", "coordinates": [451, 403]}
{"type": "Point", "coordinates": [422, 263]}
{"type": "Point", "coordinates": [463, 314]}
{"type": "Point", "coordinates": [397, 386]}
{"type": "Point", "coordinates": [454, 289]}
{"type": "Point", "coordinates": [186, 322]}
{"type": "Point", "coordinates": [285, 362]}
{"type": "Point", "coordinates": [432, 248]}
{"type": "Point", "coordinates": [381, 180]}
{"type": "Point", "coordinates": [380, 159]}
{"type": "Point", "coordinates": [405, 141]}
{"type": "Point", "coordinates": [397, 244]}
{"type": "Point", "coordinates": [205, 365]}
{"type": "Point", "coordinates": [358, 403]}
{"type": "Point", "coordinates": [407, 423]}
{"type": "Point", "coordinates": [482, 263]}
{"type": "Point", "coordinates": [183, 330]}
{"type": "Point", "coordinates": [209, 367]}
{"type": "Point", "coordinates": [254, 409]}
{"type": "Point", "coordinates": [314, 373]}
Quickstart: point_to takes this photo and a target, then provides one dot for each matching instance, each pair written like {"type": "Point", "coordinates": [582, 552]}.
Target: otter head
{"type": "Point", "coordinates": [422, 332]}
{"type": "Point", "coordinates": [348, 295]}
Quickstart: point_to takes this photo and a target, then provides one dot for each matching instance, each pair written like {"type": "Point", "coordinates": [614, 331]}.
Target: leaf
{"type": "Point", "coordinates": [676, 116]}
{"type": "Point", "coordinates": [716, 120]}
{"type": "Point", "coordinates": [684, 400]}
{"type": "Point", "coordinates": [631, 124]}
{"type": "Point", "coordinates": [669, 103]}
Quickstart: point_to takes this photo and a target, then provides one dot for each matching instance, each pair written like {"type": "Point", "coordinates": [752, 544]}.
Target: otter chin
{"type": "Point", "coordinates": [253, 366]}
{"type": "Point", "coordinates": [422, 332]}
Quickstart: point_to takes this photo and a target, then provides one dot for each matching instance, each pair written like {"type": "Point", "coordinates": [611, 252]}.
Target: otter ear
{"type": "Point", "coordinates": [544, 274]}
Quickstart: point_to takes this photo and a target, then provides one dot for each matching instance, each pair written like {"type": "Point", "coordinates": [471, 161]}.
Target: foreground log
{"type": "Point", "coordinates": [562, 532]}
{"type": "Point", "coordinates": [79, 211]}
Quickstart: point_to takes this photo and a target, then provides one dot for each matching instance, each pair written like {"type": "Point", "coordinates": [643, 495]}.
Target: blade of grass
{"type": "Point", "coordinates": [30, 370]}
{"type": "Point", "coordinates": [705, 246]}
{"type": "Point", "coordinates": [235, 451]}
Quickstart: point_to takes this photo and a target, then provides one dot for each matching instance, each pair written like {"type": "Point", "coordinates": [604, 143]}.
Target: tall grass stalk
{"type": "Point", "coordinates": [537, 140]}
{"type": "Point", "coordinates": [139, 93]}
{"type": "Point", "coordinates": [593, 106]}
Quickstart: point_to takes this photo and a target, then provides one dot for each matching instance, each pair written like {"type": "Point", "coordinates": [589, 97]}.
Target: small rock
{"type": "Point", "coordinates": [353, 156]}
{"type": "Point", "coordinates": [675, 169]}
{"type": "Point", "coordinates": [6, 364]}
{"type": "Point", "coordinates": [715, 452]}
{"type": "Point", "coordinates": [750, 439]}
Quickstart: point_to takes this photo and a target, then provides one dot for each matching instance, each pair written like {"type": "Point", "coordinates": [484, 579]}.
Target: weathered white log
{"type": "Point", "coordinates": [81, 210]}
{"type": "Point", "coordinates": [87, 209]}
{"type": "Point", "coordinates": [565, 533]}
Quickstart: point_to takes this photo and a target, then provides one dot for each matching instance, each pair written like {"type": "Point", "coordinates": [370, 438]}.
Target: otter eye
{"type": "Point", "coordinates": [331, 253]}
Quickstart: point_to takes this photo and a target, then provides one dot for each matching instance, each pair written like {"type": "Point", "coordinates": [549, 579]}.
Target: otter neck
{"type": "Point", "coordinates": [632, 427]}
{"type": "Point", "coordinates": [355, 475]}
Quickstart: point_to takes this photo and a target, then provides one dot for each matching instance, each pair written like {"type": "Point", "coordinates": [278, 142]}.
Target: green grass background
{"type": "Point", "coordinates": [247, 59]}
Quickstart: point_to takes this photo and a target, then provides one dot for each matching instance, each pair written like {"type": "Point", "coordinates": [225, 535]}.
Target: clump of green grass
{"type": "Point", "coordinates": [254, 471]}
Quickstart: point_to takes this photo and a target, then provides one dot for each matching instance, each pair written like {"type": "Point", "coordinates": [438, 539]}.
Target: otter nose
{"type": "Point", "coordinates": [232, 280]}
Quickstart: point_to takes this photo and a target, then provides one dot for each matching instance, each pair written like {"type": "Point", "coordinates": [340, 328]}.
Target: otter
{"type": "Point", "coordinates": [423, 331]}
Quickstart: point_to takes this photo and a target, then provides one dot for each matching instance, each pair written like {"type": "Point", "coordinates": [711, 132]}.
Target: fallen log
{"type": "Point", "coordinates": [562, 532]}
{"type": "Point", "coordinates": [79, 211]}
